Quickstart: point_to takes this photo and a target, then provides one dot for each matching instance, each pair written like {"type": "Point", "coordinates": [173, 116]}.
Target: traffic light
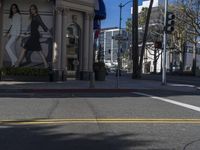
{"type": "Point", "coordinates": [169, 28]}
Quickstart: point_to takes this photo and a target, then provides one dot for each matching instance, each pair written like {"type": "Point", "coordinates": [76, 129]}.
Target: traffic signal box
{"type": "Point", "coordinates": [169, 28]}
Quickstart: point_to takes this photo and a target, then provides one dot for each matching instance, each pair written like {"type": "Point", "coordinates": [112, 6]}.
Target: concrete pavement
{"type": "Point", "coordinates": [126, 84]}
{"type": "Point", "coordinates": [155, 117]}
{"type": "Point", "coordinates": [181, 79]}
{"type": "Point", "coordinates": [129, 122]}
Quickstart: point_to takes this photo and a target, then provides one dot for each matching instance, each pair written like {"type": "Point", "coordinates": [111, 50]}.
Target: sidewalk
{"type": "Point", "coordinates": [192, 80]}
{"type": "Point", "coordinates": [126, 84]}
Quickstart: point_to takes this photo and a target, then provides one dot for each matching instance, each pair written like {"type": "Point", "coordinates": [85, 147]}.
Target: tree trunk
{"type": "Point", "coordinates": [155, 61]}
{"type": "Point", "coordinates": [145, 36]}
{"type": "Point", "coordinates": [171, 61]}
{"type": "Point", "coordinates": [135, 50]}
{"type": "Point", "coordinates": [181, 56]}
{"type": "Point", "coordinates": [194, 64]}
{"type": "Point", "coordinates": [181, 62]}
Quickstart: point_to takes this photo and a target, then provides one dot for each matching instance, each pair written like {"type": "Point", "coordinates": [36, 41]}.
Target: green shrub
{"type": "Point", "coordinates": [26, 71]}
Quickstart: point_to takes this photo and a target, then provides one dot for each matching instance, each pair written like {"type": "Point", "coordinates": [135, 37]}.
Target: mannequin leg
{"type": "Point", "coordinates": [43, 59]}
{"type": "Point", "coordinates": [9, 44]}
{"type": "Point", "coordinates": [21, 57]}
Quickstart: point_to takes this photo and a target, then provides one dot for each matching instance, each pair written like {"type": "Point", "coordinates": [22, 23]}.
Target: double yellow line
{"type": "Point", "coordinates": [100, 120]}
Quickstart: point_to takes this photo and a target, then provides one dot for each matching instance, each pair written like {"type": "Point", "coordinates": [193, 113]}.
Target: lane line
{"type": "Point", "coordinates": [192, 107]}
{"type": "Point", "coordinates": [181, 85]}
{"type": "Point", "coordinates": [103, 121]}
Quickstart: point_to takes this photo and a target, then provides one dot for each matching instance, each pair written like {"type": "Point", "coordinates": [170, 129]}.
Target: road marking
{"type": "Point", "coordinates": [181, 85]}
{"type": "Point", "coordinates": [192, 107]}
{"type": "Point", "coordinates": [101, 121]}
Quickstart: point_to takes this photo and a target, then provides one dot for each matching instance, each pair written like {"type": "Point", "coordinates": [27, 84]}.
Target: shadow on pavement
{"type": "Point", "coordinates": [49, 138]}
{"type": "Point", "coordinates": [155, 92]}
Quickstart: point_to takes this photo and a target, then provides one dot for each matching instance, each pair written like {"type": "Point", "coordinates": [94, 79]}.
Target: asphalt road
{"type": "Point", "coordinates": [143, 120]}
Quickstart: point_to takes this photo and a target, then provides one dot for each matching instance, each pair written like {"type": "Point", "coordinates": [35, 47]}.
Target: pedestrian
{"type": "Point", "coordinates": [13, 32]}
{"type": "Point", "coordinates": [33, 42]}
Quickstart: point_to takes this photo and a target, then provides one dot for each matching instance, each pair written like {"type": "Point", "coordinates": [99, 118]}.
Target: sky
{"type": "Point", "coordinates": [112, 9]}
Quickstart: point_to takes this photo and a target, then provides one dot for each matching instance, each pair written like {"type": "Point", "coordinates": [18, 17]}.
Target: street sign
{"type": "Point", "coordinates": [120, 37]}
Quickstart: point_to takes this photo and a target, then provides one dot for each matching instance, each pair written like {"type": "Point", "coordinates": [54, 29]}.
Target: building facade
{"type": "Point", "coordinates": [70, 50]}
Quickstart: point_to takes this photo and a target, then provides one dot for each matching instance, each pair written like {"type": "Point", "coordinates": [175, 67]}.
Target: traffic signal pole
{"type": "Point", "coordinates": [119, 42]}
{"type": "Point", "coordinates": [164, 57]}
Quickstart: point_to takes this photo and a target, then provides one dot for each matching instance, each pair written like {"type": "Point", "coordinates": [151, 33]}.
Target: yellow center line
{"type": "Point", "coordinates": [101, 120]}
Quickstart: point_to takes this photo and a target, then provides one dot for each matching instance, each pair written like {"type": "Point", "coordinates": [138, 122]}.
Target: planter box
{"type": "Point", "coordinates": [100, 75]}
{"type": "Point", "coordinates": [100, 71]}
{"type": "Point", "coordinates": [198, 73]}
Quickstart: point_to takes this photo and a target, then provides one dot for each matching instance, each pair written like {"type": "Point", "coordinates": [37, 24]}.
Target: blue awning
{"type": "Point", "coordinates": [97, 24]}
{"type": "Point", "coordinates": [100, 10]}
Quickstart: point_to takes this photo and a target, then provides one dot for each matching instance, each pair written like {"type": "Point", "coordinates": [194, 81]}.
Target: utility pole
{"type": "Point", "coordinates": [194, 62]}
{"type": "Point", "coordinates": [168, 29]}
{"type": "Point", "coordinates": [135, 51]}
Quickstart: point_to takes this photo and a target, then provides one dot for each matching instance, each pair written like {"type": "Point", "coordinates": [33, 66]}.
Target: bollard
{"type": "Point", "coordinates": [92, 80]}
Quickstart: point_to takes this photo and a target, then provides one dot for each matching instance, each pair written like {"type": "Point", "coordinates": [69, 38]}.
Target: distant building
{"type": "Point", "coordinates": [189, 56]}
{"type": "Point", "coordinates": [146, 3]}
{"type": "Point", "coordinates": [109, 45]}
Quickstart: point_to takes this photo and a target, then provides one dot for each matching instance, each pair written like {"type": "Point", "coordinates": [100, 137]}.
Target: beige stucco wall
{"type": "Point", "coordinates": [1, 32]}
{"type": "Point", "coordinates": [84, 11]}
{"type": "Point", "coordinates": [80, 5]}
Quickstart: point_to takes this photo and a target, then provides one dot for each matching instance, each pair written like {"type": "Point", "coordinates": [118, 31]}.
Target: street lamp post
{"type": "Point", "coordinates": [119, 41]}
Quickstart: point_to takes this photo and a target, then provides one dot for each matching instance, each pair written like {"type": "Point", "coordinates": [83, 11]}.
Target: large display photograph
{"type": "Point", "coordinates": [27, 33]}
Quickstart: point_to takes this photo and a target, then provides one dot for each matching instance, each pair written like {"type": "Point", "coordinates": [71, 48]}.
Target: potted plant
{"type": "Point", "coordinates": [198, 71]}
{"type": "Point", "coordinates": [100, 71]}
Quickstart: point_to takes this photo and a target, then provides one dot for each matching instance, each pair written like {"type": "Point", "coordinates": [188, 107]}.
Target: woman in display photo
{"type": "Point", "coordinates": [33, 42]}
{"type": "Point", "coordinates": [13, 32]}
